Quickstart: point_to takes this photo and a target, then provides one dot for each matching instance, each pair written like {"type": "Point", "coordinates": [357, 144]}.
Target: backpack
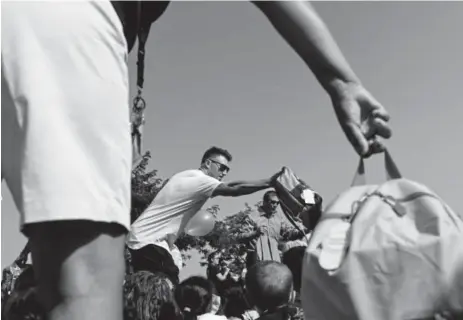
{"type": "Point", "coordinates": [386, 252]}
{"type": "Point", "coordinates": [290, 190]}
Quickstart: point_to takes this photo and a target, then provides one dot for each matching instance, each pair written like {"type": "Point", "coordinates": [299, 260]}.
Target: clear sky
{"type": "Point", "coordinates": [218, 74]}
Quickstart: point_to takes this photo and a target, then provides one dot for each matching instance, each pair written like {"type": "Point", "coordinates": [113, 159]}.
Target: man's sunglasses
{"type": "Point", "coordinates": [222, 167]}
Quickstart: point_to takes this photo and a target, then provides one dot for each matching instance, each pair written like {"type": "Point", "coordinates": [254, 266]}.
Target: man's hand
{"type": "Point", "coordinates": [274, 178]}
{"type": "Point", "coordinates": [362, 118]}
{"type": "Point", "coordinates": [260, 230]}
{"type": "Point", "coordinates": [360, 115]}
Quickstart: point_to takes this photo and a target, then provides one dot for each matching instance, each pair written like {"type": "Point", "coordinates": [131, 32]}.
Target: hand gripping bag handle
{"type": "Point", "coordinates": [392, 171]}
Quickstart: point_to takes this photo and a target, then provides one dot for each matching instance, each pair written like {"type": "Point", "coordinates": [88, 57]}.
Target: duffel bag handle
{"type": "Point", "coordinates": [392, 172]}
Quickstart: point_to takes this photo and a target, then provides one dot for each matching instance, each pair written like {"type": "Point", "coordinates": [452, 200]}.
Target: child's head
{"type": "Point", "coordinates": [269, 285]}
{"type": "Point", "coordinates": [236, 304]}
{"type": "Point", "coordinates": [223, 262]}
{"type": "Point", "coordinates": [145, 293]}
{"type": "Point", "coordinates": [213, 258]}
{"type": "Point", "coordinates": [193, 297]}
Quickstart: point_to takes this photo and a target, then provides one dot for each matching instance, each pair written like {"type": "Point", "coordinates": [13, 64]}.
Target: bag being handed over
{"type": "Point", "coordinates": [298, 199]}
{"type": "Point", "coordinates": [384, 252]}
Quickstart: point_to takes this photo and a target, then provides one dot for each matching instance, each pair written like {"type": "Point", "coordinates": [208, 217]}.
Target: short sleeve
{"type": "Point", "coordinates": [206, 185]}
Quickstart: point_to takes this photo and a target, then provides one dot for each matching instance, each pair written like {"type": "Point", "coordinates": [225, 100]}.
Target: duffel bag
{"type": "Point", "coordinates": [384, 252]}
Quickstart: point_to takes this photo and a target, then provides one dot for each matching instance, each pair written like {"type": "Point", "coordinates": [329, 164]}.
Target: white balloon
{"type": "Point", "coordinates": [200, 224]}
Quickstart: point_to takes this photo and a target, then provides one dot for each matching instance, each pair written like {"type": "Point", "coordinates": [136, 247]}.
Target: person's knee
{"type": "Point", "coordinates": [77, 259]}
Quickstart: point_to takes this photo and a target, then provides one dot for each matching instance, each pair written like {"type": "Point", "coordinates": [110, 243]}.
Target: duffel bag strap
{"type": "Point", "coordinates": [392, 171]}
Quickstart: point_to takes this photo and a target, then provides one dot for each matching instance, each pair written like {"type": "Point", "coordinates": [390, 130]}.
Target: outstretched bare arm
{"type": "Point", "coordinates": [303, 29]}
{"type": "Point", "coordinates": [360, 115]}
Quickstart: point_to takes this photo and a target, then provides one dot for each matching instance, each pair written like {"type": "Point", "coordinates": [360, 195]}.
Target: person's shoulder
{"type": "Point", "coordinates": [195, 181]}
{"type": "Point", "coordinates": [191, 173]}
{"type": "Point", "coordinates": [255, 213]}
{"type": "Point", "coordinates": [187, 173]}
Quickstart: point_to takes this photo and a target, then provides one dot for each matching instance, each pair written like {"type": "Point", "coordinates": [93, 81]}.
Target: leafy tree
{"type": "Point", "coordinates": [145, 186]}
{"type": "Point", "coordinates": [222, 237]}
{"type": "Point", "coordinates": [12, 272]}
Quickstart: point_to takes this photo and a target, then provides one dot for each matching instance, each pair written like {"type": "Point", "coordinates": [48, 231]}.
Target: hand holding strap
{"type": "Point", "coordinates": [392, 172]}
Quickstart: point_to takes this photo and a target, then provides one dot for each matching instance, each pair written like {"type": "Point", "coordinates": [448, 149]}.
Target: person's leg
{"type": "Point", "coordinates": [66, 152]}
{"type": "Point", "coordinates": [79, 267]}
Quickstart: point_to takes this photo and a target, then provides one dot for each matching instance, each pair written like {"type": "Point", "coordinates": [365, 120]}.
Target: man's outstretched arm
{"type": "Point", "coordinates": [241, 188]}
{"type": "Point", "coordinates": [303, 29]}
{"type": "Point", "coordinates": [359, 114]}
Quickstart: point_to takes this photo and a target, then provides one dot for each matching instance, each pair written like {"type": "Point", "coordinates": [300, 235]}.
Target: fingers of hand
{"type": "Point", "coordinates": [356, 138]}
{"type": "Point", "coordinates": [380, 113]}
{"type": "Point", "coordinates": [374, 146]}
{"type": "Point", "coordinates": [367, 143]}
{"type": "Point", "coordinates": [376, 126]}
{"type": "Point", "coordinates": [377, 109]}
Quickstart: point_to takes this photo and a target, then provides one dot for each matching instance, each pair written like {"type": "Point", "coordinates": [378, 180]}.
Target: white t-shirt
{"type": "Point", "coordinates": [182, 196]}
{"type": "Point", "coordinates": [176, 256]}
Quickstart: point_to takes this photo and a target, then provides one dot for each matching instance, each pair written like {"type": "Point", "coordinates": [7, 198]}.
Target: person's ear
{"type": "Point", "coordinates": [206, 164]}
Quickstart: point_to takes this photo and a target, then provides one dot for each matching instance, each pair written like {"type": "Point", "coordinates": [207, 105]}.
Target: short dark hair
{"type": "Point", "coordinates": [236, 303]}
{"type": "Point", "coordinates": [194, 296]}
{"type": "Point", "coordinates": [269, 284]}
{"type": "Point", "coordinates": [212, 256]}
{"type": "Point", "coordinates": [213, 151]}
{"type": "Point", "coordinates": [270, 193]}
{"type": "Point", "coordinates": [144, 295]}
{"type": "Point", "coordinates": [293, 259]}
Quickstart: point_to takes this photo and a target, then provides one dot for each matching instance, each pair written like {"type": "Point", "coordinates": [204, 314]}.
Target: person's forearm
{"type": "Point", "coordinates": [242, 188]}
{"type": "Point", "coordinates": [303, 29]}
{"type": "Point", "coordinates": [235, 183]}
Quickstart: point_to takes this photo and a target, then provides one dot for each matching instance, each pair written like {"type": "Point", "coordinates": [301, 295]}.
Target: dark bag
{"type": "Point", "coordinates": [289, 189]}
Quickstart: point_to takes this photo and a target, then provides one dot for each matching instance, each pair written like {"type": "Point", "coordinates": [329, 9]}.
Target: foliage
{"type": "Point", "coordinates": [145, 186]}
{"type": "Point", "coordinates": [11, 273]}
{"type": "Point", "coordinates": [223, 237]}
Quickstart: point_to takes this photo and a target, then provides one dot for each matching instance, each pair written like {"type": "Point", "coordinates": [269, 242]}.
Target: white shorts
{"type": "Point", "coordinates": [66, 146]}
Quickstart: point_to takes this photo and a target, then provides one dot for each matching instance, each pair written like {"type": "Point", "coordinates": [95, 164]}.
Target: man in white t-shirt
{"type": "Point", "coordinates": [152, 236]}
